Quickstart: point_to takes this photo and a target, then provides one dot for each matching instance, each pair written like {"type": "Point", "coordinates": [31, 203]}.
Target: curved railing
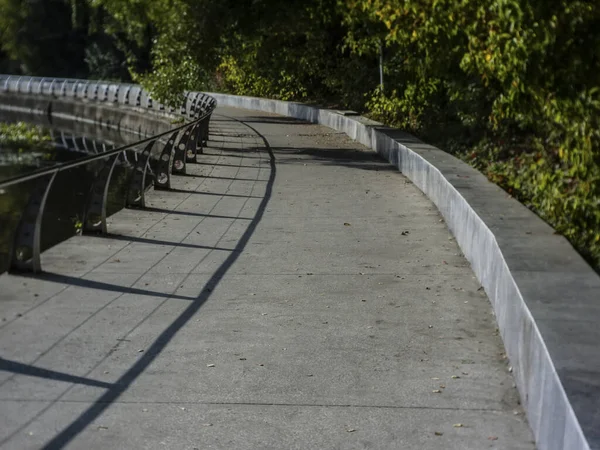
{"type": "Point", "coordinates": [180, 145]}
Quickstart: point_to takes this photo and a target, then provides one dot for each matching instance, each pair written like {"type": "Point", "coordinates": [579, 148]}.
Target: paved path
{"type": "Point", "coordinates": [294, 292]}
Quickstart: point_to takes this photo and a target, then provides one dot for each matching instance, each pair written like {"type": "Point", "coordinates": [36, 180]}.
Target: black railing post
{"type": "Point", "coordinates": [163, 176]}
{"type": "Point", "coordinates": [180, 153]}
{"type": "Point", "coordinates": [94, 216]}
{"type": "Point", "coordinates": [191, 146]}
{"type": "Point", "coordinates": [205, 130]}
{"type": "Point", "coordinates": [194, 109]}
{"type": "Point", "coordinates": [137, 186]}
{"type": "Point", "coordinates": [25, 254]}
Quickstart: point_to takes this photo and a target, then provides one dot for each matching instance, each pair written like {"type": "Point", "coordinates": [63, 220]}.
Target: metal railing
{"type": "Point", "coordinates": [181, 145]}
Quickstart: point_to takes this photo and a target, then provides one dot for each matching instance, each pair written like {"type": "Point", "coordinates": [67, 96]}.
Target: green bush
{"type": "Point", "coordinates": [512, 87]}
{"type": "Point", "coordinates": [23, 137]}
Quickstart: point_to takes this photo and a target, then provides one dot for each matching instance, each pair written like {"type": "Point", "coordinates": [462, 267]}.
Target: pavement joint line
{"type": "Point", "coordinates": [294, 405]}
{"type": "Point", "coordinates": [296, 274]}
{"type": "Point", "coordinates": [353, 274]}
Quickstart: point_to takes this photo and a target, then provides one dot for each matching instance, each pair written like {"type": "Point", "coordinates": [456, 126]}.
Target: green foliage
{"type": "Point", "coordinates": [514, 87]}
{"type": "Point", "coordinates": [23, 137]}
{"type": "Point", "coordinates": [514, 82]}
{"type": "Point", "coordinates": [41, 36]}
{"type": "Point", "coordinates": [569, 203]}
{"type": "Point", "coordinates": [70, 38]}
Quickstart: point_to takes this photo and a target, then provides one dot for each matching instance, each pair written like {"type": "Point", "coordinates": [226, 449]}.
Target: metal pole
{"type": "Point", "coordinates": [380, 66]}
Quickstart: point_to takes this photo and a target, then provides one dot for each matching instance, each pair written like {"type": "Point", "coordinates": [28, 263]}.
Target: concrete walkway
{"type": "Point", "coordinates": [294, 292]}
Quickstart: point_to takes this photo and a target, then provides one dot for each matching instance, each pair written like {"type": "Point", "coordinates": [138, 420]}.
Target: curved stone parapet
{"type": "Point", "coordinates": [109, 105]}
{"type": "Point", "coordinates": [124, 94]}
{"type": "Point", "coordinates": [545, 296]}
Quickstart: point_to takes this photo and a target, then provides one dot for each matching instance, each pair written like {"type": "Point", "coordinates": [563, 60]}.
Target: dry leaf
{"type": "Point", "coordinates": [493, 438]}
{"type": "Point", "coordinates": [436, 391]}
{"type": "Point", "coordinates": [438, 433]}
{"type": "Point", "coordinates": [346, 224]}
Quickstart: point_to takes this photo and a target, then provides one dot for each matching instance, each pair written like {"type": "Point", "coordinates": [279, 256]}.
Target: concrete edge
{"type": "Point", "coordinates": [475, 211]}
{"type": "Point", "coordinates": [120, 118]}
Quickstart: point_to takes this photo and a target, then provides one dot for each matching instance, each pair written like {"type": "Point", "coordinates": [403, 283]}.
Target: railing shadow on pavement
{"type": "Point", "coordinates": [141, 240]}
{"type": "Point", "coordinates": [195, 301]}
{"type": "Point", "coordinates": [112, 394]}
{"type": "Point", "coordinates": [356, 159]}
{"type": "Point", "coordinates": [18, 368]}
{"type": "Point", "coordinates": [194, 214]}
{"type": "Point", "coordinates": [103, 286]}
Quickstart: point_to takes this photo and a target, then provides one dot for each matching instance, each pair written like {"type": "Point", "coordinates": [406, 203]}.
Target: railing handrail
{"type": "Point", "coordinates": [182, 147]}
{"type": "Point", "coordinates": [88, 159]}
